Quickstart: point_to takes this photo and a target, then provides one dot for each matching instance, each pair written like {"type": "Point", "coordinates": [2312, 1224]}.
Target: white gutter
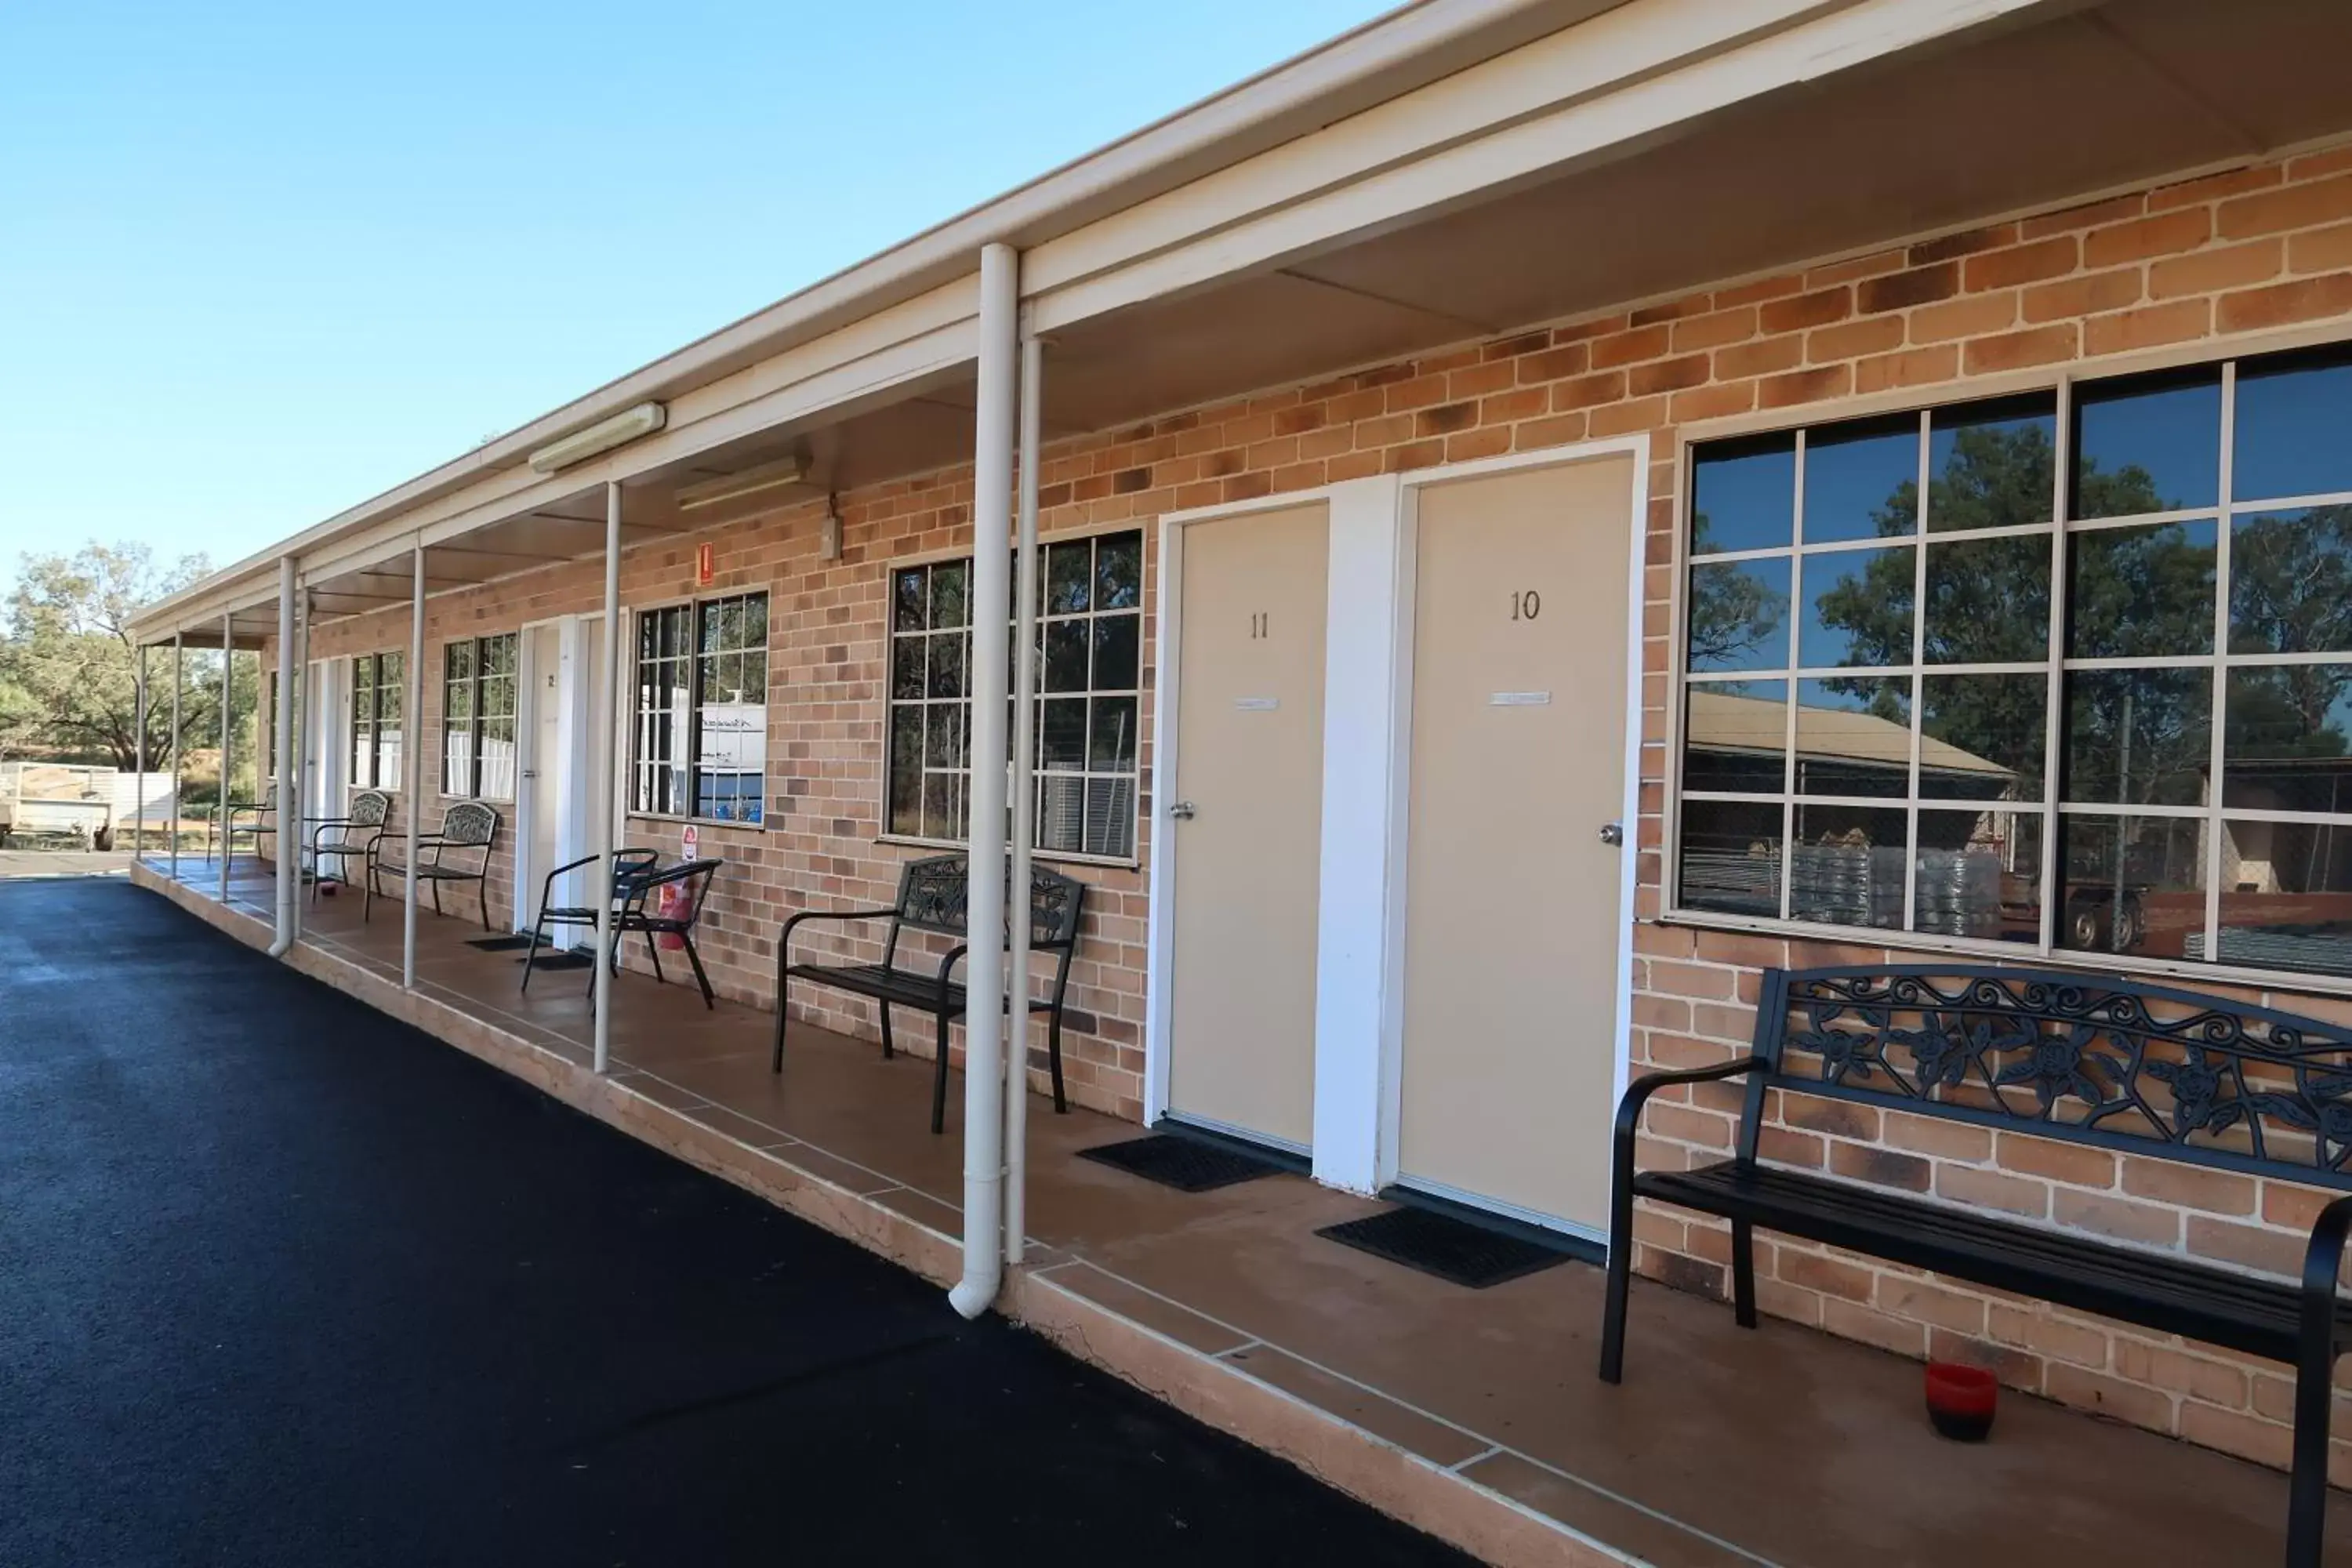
{"type": "Point", "coordinates": [983, 1018]}
{"type": "Point", "coordinates": [290, 857]}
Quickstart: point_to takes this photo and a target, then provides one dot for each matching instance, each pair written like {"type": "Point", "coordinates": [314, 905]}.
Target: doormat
{"type": "Point", "coordinates": [547, 959]}
{"type": "Point", "coordinates": [1186, 1164]}
{"type": "Point", "coordinates": [500, 943]}
{"type": "Point", "coordinates": [1451, 1248]}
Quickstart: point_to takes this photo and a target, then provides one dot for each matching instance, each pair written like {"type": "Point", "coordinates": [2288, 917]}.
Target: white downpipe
{"type": "Point", "coordinates": [306, 792]}
{"type": "Point", "coordinates": [1024, 809]}
{"type": "Point", "coordinates": [228, 685]}
{"type": "Point", "coordinates": [991, 550]}
{"type": "Point", "coordinates": [178, 679]}
{"type": "Point", "coordinates": [605, 828]}
{"type": "Point", "coordinates": [411, 762]}
{"type": "Point", "coordinates": [138, 762]}
{"type": "Point", "coordinates": [283, 810]}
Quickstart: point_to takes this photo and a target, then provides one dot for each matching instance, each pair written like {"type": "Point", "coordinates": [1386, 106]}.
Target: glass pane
{"type": "Point", "coordinates": [908, 599]}
{"type": "Point", "coordinates": [1110, 816]}
{"type": "Point", "coordinates": [1981, 736]}
{"type": "Point", "coordinates": [2148, 444]}
{"type": "Point", "coordinates": [2132, 884]}
{"type": "Point", "coordinates": [2138, 737]}
{"type": "Point", "coordinates": [947, 664]}
{"type": "Point", "coordinates": [2287, 743]}
{"type": "Point", "coordinates": [905, 768]}
{"type": "Point", "coordinates": [1862, 480]}
{"type": "Point", "coordinates": [1978, 875]}
{"type": "Point", "coordinates": [1062, 735]}
{"type": "Point", "coordinates": [906, 801]}
{"type": "Point", "coordinates": [907, 667]}
{"type": "Point", "coordinates": [950, 580]}
{"type": "Point", "coordinates": [707, 686]}
{"type": "Point", "coordinates": [458, 703]}
{"type": "Point", "coordinates": [1991, 465]}
{"type": "Point", "coordinates": [1989, 601]}
{"type": "Point", "coordinates": [499, 654]}
{"type": "Point", "coordinates": [946, 730]}
{"type": "Point", "coordinates": [1118, 572]}
{"type": "Point", "coordinates": [755, 620]}
{"type": "Point", "coordinates": [458, 661]}
{"type": "Point", "coordinates": [1736, 736]}
{"type": "Point", "coordinates": [1739, 615]}
{"type": "Point", "coordinates": [1116, 652]}
{"type": "Point", "coordinates": [1743, 494]}
{"type": "Point", "coordinates": [498, 759]}
{"type": "Point", "coordinates": [1853, 737]}
{"type": "Point", "coordinates": [1847, 867]}
{"type": "Point", "coordinates": [1857, 607]}
{"type": "Point", "coordinates": [755, 678]}
{"type": "Point", "coordinates": [1061, 814]}
{"type": "Point", "coordinates": [1069, 569]}
{"type": "Point", "coordinates": [708, 637]}
{"type": "Point", "coordinates": [2287, 895]}
{"type": "Point", "coordinates": [2291, 582]}
{"type": "Point", "coordinates": [945, 802]}
{"type": "Point", "coordinates": [2294, 425]}
{"type": "Point", "coordinates": [2140, 592]}
{"type": "Point", "coordinates": [1730, 857]}
{"type": "Point", "coordinates": [1065, 656]}
{"type": "Point", "coordinates": [1111, 739]}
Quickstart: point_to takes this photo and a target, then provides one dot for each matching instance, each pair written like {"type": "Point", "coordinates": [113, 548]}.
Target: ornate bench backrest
{"type": "Point", "coordinates": [369, 808]}
{"type": "Point", "coordinates": [2082, 1059]}
{"type": "Point", "coordinates": [469, 825]}
{"type": "Point", "coordinates": [934, 895]}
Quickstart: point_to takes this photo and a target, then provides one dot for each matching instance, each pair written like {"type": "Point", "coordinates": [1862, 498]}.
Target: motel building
{"type": "Point", "coordinates": [1525, 522]}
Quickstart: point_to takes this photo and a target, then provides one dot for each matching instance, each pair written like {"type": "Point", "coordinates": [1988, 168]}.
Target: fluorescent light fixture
{"type": "Point", "coordinates": [602, 437]}
{"type": "Point", "coordinates": [735, 487]}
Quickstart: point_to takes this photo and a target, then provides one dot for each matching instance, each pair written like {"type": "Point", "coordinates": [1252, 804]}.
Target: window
{"type": "Point", "coordinates": [1090, 641]}
{"type": "Point", "coordinates": [702, 710]}
{"type": "Point", "coordinates": [1932, 683]}
{"type": "Point", "coordinates": [376, 694]}
{"type": "Point", "coordinates": [478, 716]}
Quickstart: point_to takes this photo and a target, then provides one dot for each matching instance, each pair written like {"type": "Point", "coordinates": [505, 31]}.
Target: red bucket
{"type": "Point", "coordinates": [1960, 1400]}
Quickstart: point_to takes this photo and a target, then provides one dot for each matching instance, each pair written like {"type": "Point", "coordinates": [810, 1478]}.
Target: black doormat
{"type": "Point", "coordinates": [1185, 1164]}
{"type": "Point", "coordinates": [499, 943]}
{"type": "Point", "coordinates": [546, 960]}
{"type": "Point", "coordinates": [1451, 1248]}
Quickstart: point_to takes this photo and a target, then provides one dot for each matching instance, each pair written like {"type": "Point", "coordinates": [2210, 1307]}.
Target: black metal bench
{"type": "Point", "coordinates": [932, 898]}
{"type": "Point", "coordinates": [2152, 1072]}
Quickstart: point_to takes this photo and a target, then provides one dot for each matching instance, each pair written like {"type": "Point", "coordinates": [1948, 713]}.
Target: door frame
{"type": "Point", "coordinates": [574, 744]}
{"type": "Point", "coordinates": [1392, 1068]}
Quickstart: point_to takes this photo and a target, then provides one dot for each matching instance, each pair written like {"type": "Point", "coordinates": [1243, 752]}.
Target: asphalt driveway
{"type": "Point", "coordinates": [283, 1281]}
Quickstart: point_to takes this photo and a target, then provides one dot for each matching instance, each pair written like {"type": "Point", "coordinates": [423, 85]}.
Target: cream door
{"type": "Point", "coordinates": [1511, 895]}
{"type": "Point", "coordinates": [1244, 824]}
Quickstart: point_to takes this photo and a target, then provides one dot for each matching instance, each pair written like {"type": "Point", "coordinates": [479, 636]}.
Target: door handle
{"type": "Point", "coordinates": [531, 772]}
{"type": "Point", "coordinates": [1181, 811]}
{"type": "Point", "coordinates": [1612, 834]}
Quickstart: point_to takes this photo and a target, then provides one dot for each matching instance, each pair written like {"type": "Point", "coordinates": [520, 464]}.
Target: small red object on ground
{"type": "Point", "coordinates": [1960, 1400]}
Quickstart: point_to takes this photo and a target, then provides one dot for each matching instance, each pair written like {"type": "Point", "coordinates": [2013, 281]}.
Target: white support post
{"type": "Point", "coordinates": [992, 551]}
{"type": "Point", "coordinates": [412, 757]}
{"type": "Point", "coordinates": [283, 810]}
{"type": "Point", "coordinates": [606, 796]}
{"type": "Point", "coordinates": [172, 831]}
{"type": "Point", "coordinates": [1025, 808]}
{"type": "Point", "coordinates": [138, 762]}
{"type": "Point", "coordinates": [228, 686]}
{"type": "Point", "coordinates": [304, 795]}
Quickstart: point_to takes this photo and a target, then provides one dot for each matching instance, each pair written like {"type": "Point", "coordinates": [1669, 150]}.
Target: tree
{"type": "Point", "coordinates": [68, 671]}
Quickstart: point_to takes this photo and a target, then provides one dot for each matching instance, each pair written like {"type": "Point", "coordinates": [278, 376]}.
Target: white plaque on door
{"type": "Point", "coordinates": [1520, 700]}
{"type": "Point", "coordinates": [1257, 704]}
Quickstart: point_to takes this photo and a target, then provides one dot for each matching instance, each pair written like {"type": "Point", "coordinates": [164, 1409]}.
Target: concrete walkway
{"type": "Point", "coordinates": [282, 1280]}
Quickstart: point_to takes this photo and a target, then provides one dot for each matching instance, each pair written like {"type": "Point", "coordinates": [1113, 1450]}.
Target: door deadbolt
{"type": "Point", "coordinates": [1613, 833]}
{"type": "Point", "coordinates": [1181, 811]}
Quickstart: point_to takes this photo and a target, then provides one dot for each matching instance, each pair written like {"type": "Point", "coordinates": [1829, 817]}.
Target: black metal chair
{"type": "Point", "coordinates": [467, 825]}
{"type": "Point", "coordinates": [627, 866]}
{"type": "Point", "coordinates": [647, 908]}
{"type": "Point", "coordinates": [354, 838]}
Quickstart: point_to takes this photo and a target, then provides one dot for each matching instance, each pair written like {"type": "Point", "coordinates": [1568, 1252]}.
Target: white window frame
{"type": "Point", "coordinates": [350, 736]}
{"type": "Point", "coordinates": [1143, 692]}
{"type": "Point", "coordinates": [474, 719]}
{"type": "Point", "coordinates": [625, 706]}
{"type": "Point", "coordinates": [2061, 382]}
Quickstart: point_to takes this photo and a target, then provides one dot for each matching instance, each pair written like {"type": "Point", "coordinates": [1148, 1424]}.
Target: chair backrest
{"type": "Point", "coordinates": [469, 825]}
{"type": "Point", "coordinates": [2081, 1058]}
{"type": "Point", "coordinates": [369, 808]}
{"type": "Point", "coordinates": [935, 893]}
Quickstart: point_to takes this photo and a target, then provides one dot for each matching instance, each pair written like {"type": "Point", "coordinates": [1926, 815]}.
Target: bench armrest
{"type": "Point", "coordinates": [784, 937]}
{"type": "Point", "coordinates": [2323, 1257]}
{"type": "Point", "coordinates": [1637, 1094]}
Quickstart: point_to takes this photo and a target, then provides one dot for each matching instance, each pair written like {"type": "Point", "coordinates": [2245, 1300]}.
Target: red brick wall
{"type": "Point", "coordinates": [2217, 258]}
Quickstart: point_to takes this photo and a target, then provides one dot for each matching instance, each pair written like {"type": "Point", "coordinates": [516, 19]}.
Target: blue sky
{"type": "Point", "coordinates": [259, 262]}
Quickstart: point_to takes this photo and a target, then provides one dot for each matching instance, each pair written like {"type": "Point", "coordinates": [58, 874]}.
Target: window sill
{"type": "Point", "coordinates": [2190, 970]}
{"type": "Point", "coordinates": [698, 821]}
{"type": "Point", "coordinates": [1042, 857]}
